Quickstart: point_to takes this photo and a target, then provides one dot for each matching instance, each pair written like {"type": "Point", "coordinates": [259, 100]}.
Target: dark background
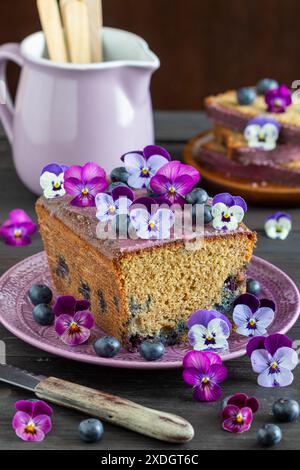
{"type": "Point", "coordinates": [205, 46]}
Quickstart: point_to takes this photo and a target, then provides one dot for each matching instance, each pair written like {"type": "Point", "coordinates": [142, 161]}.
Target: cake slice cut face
{"type": "Point", "coordinates": [142, 289]}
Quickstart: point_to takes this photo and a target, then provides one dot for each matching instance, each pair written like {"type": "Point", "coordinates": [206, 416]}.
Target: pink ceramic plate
{"type": "Point", "coordinates": [16, 316]}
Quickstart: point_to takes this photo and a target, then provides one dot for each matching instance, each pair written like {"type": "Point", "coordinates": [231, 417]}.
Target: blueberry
{"type": "Point", "coordinates": [265, 85]}
{"type": "Point", "coordinates": [119, 175]}
{"type": "Point", "coordinates": [246, 95]}
{"type": "Point", "coordinates": [108, 346]}
{"type": "Point", "coordinates": [208, 214]}
{"type": "Point", "coordinates": [91, 430]}
{"type": "Point", "coordinates": [40, 294]}
{"type": "Point", "coordinates": [286, 410]}
{"type": "Point", "coordinates": [253, 287]}
{"type": "Point", "coordinates": [120, 224]}
{"type": "Point", "coordinates": [197, 196]}
{"type": "Point", "coordinates": [269, 435]}
{"type": "Point", "coordinates": [152, 350]}
{"type": "Point", "coordinates": [43, 314]}
{"type": "Point", "coordinates": [115, 185]}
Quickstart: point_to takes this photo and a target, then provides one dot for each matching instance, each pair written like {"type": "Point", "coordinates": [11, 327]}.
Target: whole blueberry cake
{"type": "Point", "coordinates": [147, 285]}
{"type": "Point", "coordinates": [256, 135]}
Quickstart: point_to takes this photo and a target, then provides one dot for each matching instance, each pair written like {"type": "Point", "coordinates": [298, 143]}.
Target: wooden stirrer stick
{"type": "Point", "coordinates": [76, 19]}
{"type": "Point", "coordinates": [95, 24]}
{"type": "Point", "coordinates": [52, 27]}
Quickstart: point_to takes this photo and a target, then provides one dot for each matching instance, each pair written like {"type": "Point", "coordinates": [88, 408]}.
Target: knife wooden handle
{"type": "Point", "coordinates": [157, 424]}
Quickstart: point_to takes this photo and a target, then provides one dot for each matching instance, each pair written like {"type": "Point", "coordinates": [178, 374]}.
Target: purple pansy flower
{"type": "Point", "coordinates": [278, 99]}
{"type": "Point", "coordinates": [142, 165]}
{"type": "Point", "coordinates": [52, 180]}
{"type": "Point", "coordinates": [85, 183]}
{"type": "Point", "coordinates": [204, 371]}
{"type": "Point", "coordinates": [262, 132]}
{"type": "Point", "coordinates": [110, 205]}
{"type": "Point", "coordinates": [242, 400]}
{"type": "Point", "coordinates": [228, 211]}
{"type": "Point", "coordinates": [149, 220]}
{"type": "Point", "coordinates": [253, 316]}
{"type": "Point", "coordinates": [237, 420]}
{"type": "Point", "coordinates": [273, 358]}
{"type": "Point", "coordinates": [74, 320]}
{"type": "Point", "coordinates": [278, 226]}
{"type": "Point", "coordinates": [18, 229]}
{"type": "Point", "coordinates": [208, 330]}
{"type": "Point", "coordinates": [32, 420]}
{"type": "Point", "coordinates": [173, 181]}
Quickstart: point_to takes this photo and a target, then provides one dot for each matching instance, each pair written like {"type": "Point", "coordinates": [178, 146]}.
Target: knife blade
{"type": "Point", "coordinates": [121, 412]}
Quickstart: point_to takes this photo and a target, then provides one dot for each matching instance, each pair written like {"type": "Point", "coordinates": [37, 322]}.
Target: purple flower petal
{"type": "Point", "coordinates": [241, 314]}
{"type": "Point", "coordinates": [82, 305]}
{"type": "Point", "coordinates": [18, 216]}
{"type": "Point", "coordinates": [231, 410]}
{"type": "Point", "coordinates": [207, 392]}
{"type": "Point", "coordinates": [224, 198]}
{"type": "Point", "coordinates": [218, 373]}
{"type": "Point", "coordinates": [255, 343]}
{"type": "Point", "coordinates": [122, 191]}
{"type": "Point", "coordinates": [286, 358]}
{"type": "Point", "coordinates": [253, 404]}
{"type": "Point", "coordinates": [260, 358]}
{"type": "Point", "coordinates": [190, 171]}
{"type": "Point", "coordinates": [43, 422]}
{"type": "Point", "coordinates": [151, 150]}
{"type": "Point", "coordinates": [91, 171]}
{"type": "Point", "coordinates": [159, 184]}
{"type": "Point", "coordinates": [264, 316]}
{"type": "Point", "coordinates": [232, 423]}
{"type": "Point", "coordinates": [183, 184]}
{"type": "Point", "coordinates": [75, 339]}
{"type": "Point", "coordinates": [147, 203]}
{"type": "Point", "coordinates": [66, 304]}
{"type": "Point", "coordinates": [38, 436]}
{"type": "Point", "coordinates": [171, 170]}
{"type": "Point", "coordinates": [198, 360]}
{"type": "Point", "coordinates": [62, 323]}
{"type": "Point", "coordinates": [41, 408]}
{"type": "Point", "coordinates": [191, 376]}
{"type": "Point", "coordinates": [54, 168]}
{"type": "Point", "coordinates": [83, 201]}
{"type": "Point", "coordinates": [276, 341]}
{"type": "Point", "coordinates": [28, 228]}
{"type": "Point", "coordinates": [202, 317]}
{"type": "Point", "coordinates": [84, 318]}
{"type": "Point", "coordinates": [239, 201]}
{"type": "Point", "coordinates": [96, 185]}
{"type": "Point", "coordinates": [239, 400]}
{"type": "Point", "coordinates": [268, 303]}
{"type": "Point", "coordinates": [25, 406]}
{"type": "Point", "coordinates": [248, 299]}
{"type": "Point", "coordinates": [73, 186]}
{"type": "Point", "coordinates": [282, 379]}
{"type": "Point", "coordinates": [73, 172]}
{"type": "Point", "coordinates": [20, 419]}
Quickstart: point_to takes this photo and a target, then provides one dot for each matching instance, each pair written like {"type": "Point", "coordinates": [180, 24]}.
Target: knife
{"type": "Point", "coordinates": [147, 421]}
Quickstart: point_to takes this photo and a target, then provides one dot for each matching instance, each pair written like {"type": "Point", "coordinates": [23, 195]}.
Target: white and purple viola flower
{"type": "Point", "coordinates": [110, 205]}
{"type": "Point", "coordinates": [278, 226]}
{"type": "Point", "coordinates": [228, 211]}
{"type": "Point", "coordinates": [173, 181]}
{"type": "Point", "coordinates": [262, 132]}
{"type": "Point", "coordinates": [151, 221]}
{"type": "Point", "coordinates": [209, 330]}
{"type": "Point", "coordinates": [143, 165]}
{"type": "Point", "coordinates": [273, 358]}
{"type": "Point", "coordinates": [74, 321]}
{"type": "Point", "coordinates": [52, 180]}
{"type": "Point", "coordinates": [32, 420]}
{"type": "Point", "coordinates": [84, 183]}
{"type": "Point", "coordinates": [252, 316]}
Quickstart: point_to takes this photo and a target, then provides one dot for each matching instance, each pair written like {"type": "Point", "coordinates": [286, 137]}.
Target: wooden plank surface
{"type": "Point", "coordinates": [167, 392]}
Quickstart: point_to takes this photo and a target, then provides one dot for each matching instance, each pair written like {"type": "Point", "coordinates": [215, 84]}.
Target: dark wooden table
{"type": "Point", "coordinates": [164, 390]}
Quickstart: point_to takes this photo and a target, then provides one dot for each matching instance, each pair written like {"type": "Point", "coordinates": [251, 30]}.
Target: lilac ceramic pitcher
{"type": "Point", "coordinates": [72, 114]}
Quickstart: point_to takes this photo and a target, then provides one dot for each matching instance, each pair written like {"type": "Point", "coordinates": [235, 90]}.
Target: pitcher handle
{"type": "Point", "coordinates": [10, 51]}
